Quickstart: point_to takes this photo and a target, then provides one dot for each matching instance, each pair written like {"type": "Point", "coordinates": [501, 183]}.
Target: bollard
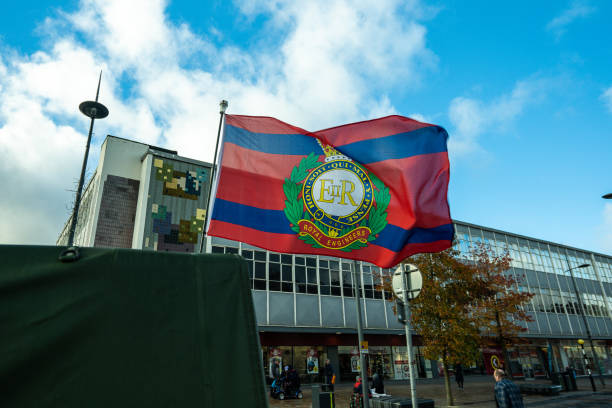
{"type": "Point", "coordinates": [316, 390]}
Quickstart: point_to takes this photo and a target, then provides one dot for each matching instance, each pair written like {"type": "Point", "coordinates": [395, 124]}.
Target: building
{"type": "Point", "coordinates": [149, 198]}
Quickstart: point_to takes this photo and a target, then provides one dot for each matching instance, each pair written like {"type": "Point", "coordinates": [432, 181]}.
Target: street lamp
{"type": "Point", "coordinates": [586, 326]}
{"type": "Point", "coordinates": [93, 110]}
{"type": "Point", "coordinates": [607, 196]}
{"type": "Point", "coordinates": [586, 364]}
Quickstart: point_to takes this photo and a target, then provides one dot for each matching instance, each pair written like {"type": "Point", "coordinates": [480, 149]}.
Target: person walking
{"type": "Point", "coordinates": [459, 375]}
{"type": "Point", "coordinates": [328, 370]}
{"type": "Point", "coordinates": [507, 394]}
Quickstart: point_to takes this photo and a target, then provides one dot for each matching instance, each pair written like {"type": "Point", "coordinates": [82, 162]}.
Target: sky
{"type": "Point", "coordinates": [524, 90]}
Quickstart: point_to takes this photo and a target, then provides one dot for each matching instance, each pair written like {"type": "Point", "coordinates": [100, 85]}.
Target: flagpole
{"type": "Point", "coordinates": [222, 107]}
{"type": "Point", "coordinates": [364, 372]}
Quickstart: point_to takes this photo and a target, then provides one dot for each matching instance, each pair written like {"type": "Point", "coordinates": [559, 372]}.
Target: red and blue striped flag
{"type": "Point", "coordinates": [374, 191]}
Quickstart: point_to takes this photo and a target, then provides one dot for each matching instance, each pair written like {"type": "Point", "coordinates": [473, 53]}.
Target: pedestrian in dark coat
{"type": "Point", "coordinates": [377, 384]}
{"type": "Point", "coordinates": [459, 375]}
{"type": "Point", "coordinates": [276, 370]}
{"type": "Point", "coordinates": [328, 371]}
{"type": "Point", "coordinates": [507, 394]}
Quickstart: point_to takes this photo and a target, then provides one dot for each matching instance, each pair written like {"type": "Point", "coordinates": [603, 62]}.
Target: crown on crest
{"type": "Point", "coordinates": [332, 154]}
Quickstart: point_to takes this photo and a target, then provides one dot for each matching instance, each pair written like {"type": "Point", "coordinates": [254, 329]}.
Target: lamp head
{"type": "Point", "coordinates": [94, 110]}
{"type": "Point", "coordinates": [223, 106]}
{"type": "Point", "coordinates": [583, 265]}
{"type": "Point", "coordinates": [580, 341]}
{"type": "Point", "coordinates": [607, 196]}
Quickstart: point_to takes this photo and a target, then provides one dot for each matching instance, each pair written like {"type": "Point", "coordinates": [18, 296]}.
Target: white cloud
{"type": "Point", "coordinates": [578, 9]}
{"type": "Point", "coordinates": [606, 96]}
{"type": "Point", "coordinates": [322, 63]}
{"type": "Point", "coordinates": [420, 117]}
{"type": "Point", "coordinates": [471, 118]}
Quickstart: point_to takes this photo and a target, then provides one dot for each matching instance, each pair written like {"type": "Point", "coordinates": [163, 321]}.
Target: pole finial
{"type": "Point", "coordinates": [223, 105]}
{"type": "Point", "coordinates": [98, 90]}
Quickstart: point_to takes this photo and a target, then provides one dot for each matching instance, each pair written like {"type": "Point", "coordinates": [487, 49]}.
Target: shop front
{"type": "Point", "coordinates": [571, 354]}
{"type": "Point", "coordinates": [307, 352]}
{"type": "Point", "coordinates": [308, 361]}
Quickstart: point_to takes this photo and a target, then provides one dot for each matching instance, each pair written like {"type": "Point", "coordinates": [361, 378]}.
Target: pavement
{"type": "Point", "coordinates": [476, 393]}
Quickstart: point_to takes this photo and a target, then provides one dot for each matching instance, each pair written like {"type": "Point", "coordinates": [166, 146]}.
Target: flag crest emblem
{"type": "Point", "coordinates": [329, 204]}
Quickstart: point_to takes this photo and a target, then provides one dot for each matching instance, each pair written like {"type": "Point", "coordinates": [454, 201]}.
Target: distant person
{"type": "Point", "coordinates": [328, 370]}
{"type": "Point", "coordinates": [284, 375]}
{"type": "Point", "coordinates": [276, 370]}
{"type": "Point", "coordinates": [459, 375]}
{"type": "Point", "coordinates": [293, 378]}
{"type": "Point", "coordinates": [507, 394]}
{"type": "Point", "coordinates": [358, 386]}
{"type": "Point", "coordinates": [377, 384]}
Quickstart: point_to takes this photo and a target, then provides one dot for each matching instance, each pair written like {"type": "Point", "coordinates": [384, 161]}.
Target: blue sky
{"type": "Point", "coordinates": [524, 90]}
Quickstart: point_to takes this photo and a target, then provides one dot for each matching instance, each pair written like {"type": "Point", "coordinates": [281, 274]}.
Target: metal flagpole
{"type": "Point", "coordinates": [364, 371]}
{"type": "Point", "coordinates": [223, 106]}
{"type": "Point", "coordinates": [94, 110]}
{"type": "Point", "coordinates": [407, 293]}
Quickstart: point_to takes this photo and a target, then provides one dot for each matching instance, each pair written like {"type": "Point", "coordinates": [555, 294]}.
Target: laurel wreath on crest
{"type": "Point", "coordinates": [294, 205]}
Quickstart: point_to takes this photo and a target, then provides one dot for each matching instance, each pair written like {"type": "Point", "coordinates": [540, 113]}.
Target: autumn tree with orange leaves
{"type": "Point", "coordinates": [499, 306]}
{"type": "Point", "coordinates": [441, 313]}
{"type": "Point", "coordinates": [463, 305]}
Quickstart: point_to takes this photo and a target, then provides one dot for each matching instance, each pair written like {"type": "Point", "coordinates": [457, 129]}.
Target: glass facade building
{"type": "Point", "coordinates": [149, 198]}
{"type": "Point", "coordinates": [311, 293]}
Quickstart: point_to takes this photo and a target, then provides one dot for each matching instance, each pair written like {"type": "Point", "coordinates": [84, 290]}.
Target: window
{"type": "Point", "coordinates": [324, 278]}
{"type": "Point", "coordinates": [527, 305]}
{"type": "Point", "coordinates": [260, 272]}
{"type": "Point", "coordinates": [489, 239]}
{"type": "Point", "coordinates": [286, 273]}
{"type": "Point", "coordinates": [347, 280]}
{"type": "Point", "coordinates": [368, 289]}
{"type": "Point", "coordinates": [377, 278]}
{"type": "Point", "coordinates": [274, 273]}
{"type": "Point", "coordinates": [311, 276]}
{"type": "Point", "coordinates": [280, 276]}
{"type": "Point", "coordinates": [300, 274]}
{"type": "Point", "coordinates": [334, 277]}
{"type": "Point", "coordinates": [387, 273]}
{"type": "Point", "coordinates": [306, 275]}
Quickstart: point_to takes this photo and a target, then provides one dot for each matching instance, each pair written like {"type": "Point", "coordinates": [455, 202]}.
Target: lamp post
{"type": "Point", "coordinates": [586, 326]}
{"type": "Point", "coordinates": [586, 364]}
{"type": "Point", "coordinates": [93, 110]}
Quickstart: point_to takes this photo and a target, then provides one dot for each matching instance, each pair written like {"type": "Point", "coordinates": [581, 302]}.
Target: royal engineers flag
{"type": "Point", "coordinates": [373, 191]}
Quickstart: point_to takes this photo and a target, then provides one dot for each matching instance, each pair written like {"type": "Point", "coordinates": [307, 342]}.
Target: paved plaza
{"type": "Point", "coordinates": [477, 393]}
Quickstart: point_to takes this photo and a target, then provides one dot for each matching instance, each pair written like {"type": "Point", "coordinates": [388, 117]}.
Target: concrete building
{"type": "Point", "coordinates": [149, 198]}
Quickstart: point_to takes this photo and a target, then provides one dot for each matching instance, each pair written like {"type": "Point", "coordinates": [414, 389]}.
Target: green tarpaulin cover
{"type": "Point", "coordinates": [127, 328]}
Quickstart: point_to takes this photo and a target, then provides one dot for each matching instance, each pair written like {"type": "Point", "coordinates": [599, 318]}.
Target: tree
{"type": "Point", "coordinates": [500, 302]}
{"type": "Point", "coordinates": [463, 304]}
{"type": "Point", "coordinates": [441, 313]}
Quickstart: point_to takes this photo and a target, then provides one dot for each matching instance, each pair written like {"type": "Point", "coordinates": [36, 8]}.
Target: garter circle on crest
{"type": "Point", "coordinates": [329, 204]}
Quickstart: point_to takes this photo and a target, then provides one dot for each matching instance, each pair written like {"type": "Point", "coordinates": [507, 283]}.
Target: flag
{"type": "Point", "coordinates": [374, 191]}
